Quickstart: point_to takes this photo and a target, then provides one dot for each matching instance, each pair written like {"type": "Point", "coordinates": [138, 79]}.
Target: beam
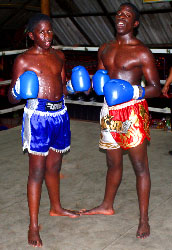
{"type": "Point", "coordinates": [16, 6]}
{"type": "Point", "coordinates": [68, 6]}
{"type": "Point", "coordinates": [110, 13]}
{"type": "Point", "coordinates": [45, 7]}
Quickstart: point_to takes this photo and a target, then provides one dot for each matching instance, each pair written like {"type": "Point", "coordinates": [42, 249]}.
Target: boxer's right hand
{"type": "Point", "coordinates": [99, 79]}
{"type": "Point", "coordinates": [26, 86]}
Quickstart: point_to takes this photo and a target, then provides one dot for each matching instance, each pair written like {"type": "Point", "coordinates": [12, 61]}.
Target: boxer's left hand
{"type": "Point", "coordinates": [80, 79]}
{"type": "Point", "coordinates": [118, 91]}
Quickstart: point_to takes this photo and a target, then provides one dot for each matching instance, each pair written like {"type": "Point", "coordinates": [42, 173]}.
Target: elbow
{"type": "Point", "coordinates": [153, 91]}
{"type": "Point", "coordinates": [158, 91]}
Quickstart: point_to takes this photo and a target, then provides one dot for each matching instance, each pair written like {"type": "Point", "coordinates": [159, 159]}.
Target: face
{"type": "Point", "coordinates": [42, 34]}
{"type": "Point", "coordinates": [125, 20]}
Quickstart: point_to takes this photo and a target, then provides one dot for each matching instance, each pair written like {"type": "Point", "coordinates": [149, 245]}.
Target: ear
{"type": "Point", "coordinates": [136, 24]}
{"type": "Point", "coordinates": [30, 34]}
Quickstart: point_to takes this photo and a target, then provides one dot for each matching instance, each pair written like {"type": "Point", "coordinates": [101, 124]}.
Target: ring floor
{"type": "Point", "coordinates": [84, 170]}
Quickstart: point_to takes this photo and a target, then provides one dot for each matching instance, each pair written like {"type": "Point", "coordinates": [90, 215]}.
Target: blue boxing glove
{"type": "Point", "coordinates": [99, 80]}
{"type": "Point", "coordinates": [80, 79]}
{"type": "Point", "coordinates": [118, 91]}
{"type": "Point", "coordinates": [26, 86]}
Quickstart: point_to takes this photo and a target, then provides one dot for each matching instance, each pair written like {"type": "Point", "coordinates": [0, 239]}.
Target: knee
{"type": "Point", "coordinates": [36, 174]}
{"type": "Point", "coordinates": [53, 168]}
{"type": "Point", "coordinates": [113, 165]}
{"type": "Point", "coordinates": [140, 168]}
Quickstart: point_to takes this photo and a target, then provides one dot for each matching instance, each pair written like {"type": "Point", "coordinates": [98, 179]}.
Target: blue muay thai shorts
{"type": "Point", "coordinates": [46, 125]}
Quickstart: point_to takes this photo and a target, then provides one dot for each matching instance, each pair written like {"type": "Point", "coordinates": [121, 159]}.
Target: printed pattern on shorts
{"type": "Point", "coordinates": [125, 125]}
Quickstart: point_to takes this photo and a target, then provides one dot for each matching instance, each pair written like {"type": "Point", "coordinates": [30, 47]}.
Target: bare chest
{"type": "Point", "coordinates": [120, 59]}
{"type": "Point", "coordinates": [45, 66]}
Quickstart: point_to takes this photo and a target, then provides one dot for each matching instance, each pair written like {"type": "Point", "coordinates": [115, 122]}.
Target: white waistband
{"type": "Point", "coordinates": [123, 105]}
{"type": "Point", "coordinates": [45, 113]}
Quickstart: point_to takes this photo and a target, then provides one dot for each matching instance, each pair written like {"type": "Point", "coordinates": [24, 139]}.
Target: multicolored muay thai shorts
{"type": "Point", "coordinates": [46, 125]}
{"type": "Point", "coordinates": [125, 125]}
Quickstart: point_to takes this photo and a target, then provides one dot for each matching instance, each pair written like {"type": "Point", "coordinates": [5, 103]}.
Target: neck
{"type": "Point", "coordinates": [40, 50]}
{"type": "Point", "coordinates": [124, 38]}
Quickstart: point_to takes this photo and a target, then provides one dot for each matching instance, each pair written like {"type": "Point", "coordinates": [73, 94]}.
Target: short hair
{"type": "Point", "coordinates": [134, 8]}
{"type": "Point", "coordinates": [34, 20]}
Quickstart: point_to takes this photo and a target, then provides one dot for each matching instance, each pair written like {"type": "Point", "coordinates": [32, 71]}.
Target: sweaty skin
{"type": "Point", "coordinates": [127, 58]}
{"type": "Point", "coordinates": [45, 61]}
{"type": "Point", "coordinates": [49, 65]}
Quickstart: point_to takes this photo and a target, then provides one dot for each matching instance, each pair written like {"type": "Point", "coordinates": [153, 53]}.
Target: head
{"type": "Point", "coordinates": [127, 18]}
{"type": "Point", "coordinates": [34, 20]}
{"type": "Point", "coordinates": [39, 29]}
{"type": "Point", "coordinates": [134, 9]}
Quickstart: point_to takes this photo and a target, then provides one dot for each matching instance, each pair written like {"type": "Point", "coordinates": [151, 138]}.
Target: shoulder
{"type": "Point", "coordinates": [58, 53]}
{"type": "Point", "coordinates": [140, 46]}
{"type": "Point", "coordinates": [105, 46]}
{"type": "Point", "coordinates": [24, 60]}
{"type": "Point", "coordinates": [21, 58]}
{"type": "Point", "coordinates": [25, 54]}
{"type": "Point", "coordinates": [142, 50]}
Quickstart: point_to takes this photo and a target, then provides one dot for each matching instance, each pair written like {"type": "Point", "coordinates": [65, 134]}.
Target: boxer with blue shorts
{"type": "Point", "coordinates": [46, 125]}
{"type": "Point", "coordinates": [39, 77]}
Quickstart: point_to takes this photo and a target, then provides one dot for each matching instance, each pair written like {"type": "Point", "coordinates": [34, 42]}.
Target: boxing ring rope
{"type": "Point", "coordinates": [79, 102]}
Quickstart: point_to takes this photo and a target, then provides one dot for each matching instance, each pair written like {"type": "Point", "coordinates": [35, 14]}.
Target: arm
{"type": "Point", "coordinates": [101, 76]}
{"type": "Point", "coordinates": [63, 75]}
{"type": "Point", "coordinates": [167, 84]}
{"type": "Point", "coordinates": [18, 69]}
{"type": "Point", "coordinates": [100, 62]}
{"type": "Point", "coordinates": [153, 87]}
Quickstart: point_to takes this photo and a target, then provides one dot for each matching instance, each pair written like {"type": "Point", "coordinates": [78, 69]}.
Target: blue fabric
{"type": "Point", "coordinates": [50, 129]}
{"type": "Point", "coordinates": [49, 132]}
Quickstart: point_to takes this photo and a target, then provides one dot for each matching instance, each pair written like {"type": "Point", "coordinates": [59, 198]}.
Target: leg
{"type": "Point", "coordinates": [52, 179]}
{"type": "Point", "coordinates": [140, 164]}
{"type": "Point", "coordinates": [113, 180]}
{"type": "Point", "coordinates": [35, 179]}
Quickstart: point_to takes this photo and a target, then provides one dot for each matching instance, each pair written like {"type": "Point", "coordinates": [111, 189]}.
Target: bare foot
{"type": "Point", "coordinates": [64, 212]}
{"type": "Point", "coordinates": [143, 230]}
{"type": "Point", "coordinates": [34, 237]}
{"type": "Point", "coordinates": [97, 210]}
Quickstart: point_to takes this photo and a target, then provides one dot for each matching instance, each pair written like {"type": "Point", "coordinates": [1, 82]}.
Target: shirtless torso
{"type": "Point", "coordinates": [49, 67]}
{"type": "Point", "coordinates": [128, 59]}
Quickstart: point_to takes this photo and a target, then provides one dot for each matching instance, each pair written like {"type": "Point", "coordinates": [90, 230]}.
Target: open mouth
{"type": "Point", "coordinates": [120, 24]}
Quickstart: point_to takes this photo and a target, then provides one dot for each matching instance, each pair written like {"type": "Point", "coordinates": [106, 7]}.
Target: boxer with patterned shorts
{"type": "Point", "coordinates": [125, 120]}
